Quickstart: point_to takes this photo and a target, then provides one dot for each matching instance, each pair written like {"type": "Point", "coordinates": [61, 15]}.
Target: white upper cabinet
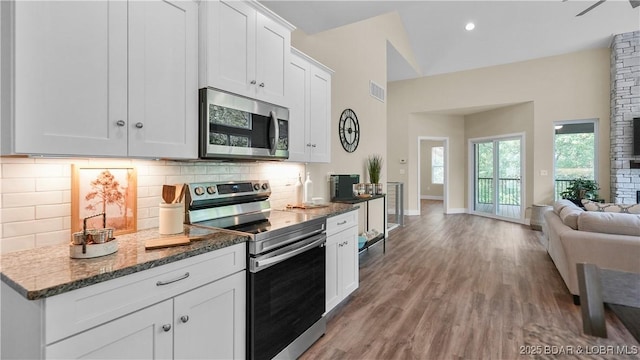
{"type": "Point", "coordinates": [244, 49]}
{"type": "Point", "coordinates": [309, 92]}
{"type": "Point", "coordinates": [98, 78]}
{"type": "Point", "coordinates": [163, 76]}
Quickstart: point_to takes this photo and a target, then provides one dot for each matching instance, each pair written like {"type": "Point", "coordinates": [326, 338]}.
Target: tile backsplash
{"type": "Point", "coordinates": [35, 193]}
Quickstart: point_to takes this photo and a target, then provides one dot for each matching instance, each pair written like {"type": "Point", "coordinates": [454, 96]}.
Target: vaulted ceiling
{"type": "Point", "coordinates": [505, 31]}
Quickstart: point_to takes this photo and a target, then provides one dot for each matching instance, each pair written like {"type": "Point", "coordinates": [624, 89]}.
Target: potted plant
{"type": "Point", "coordinates": [374, 166]}
{"type": "Point", "coordinates": [579, 189]}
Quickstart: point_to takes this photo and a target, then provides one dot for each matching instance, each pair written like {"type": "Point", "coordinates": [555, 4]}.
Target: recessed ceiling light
{"type": "Point", "coordinates": [470, 26]}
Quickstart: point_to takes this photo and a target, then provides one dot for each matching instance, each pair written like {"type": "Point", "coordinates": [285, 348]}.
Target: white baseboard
{"type": "Point", "coordinates": [457, 211]}
{"type": "Point", "coordinates": [412, 212]}
{"type": "Point", "coordinates": [431, 197]}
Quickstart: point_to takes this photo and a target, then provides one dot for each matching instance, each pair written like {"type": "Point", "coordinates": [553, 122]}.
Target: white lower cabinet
{"type": "Point", "coordinates": [342, 258]}
{"type": "Point", "coordinates": [136, 336]}
{"type": "Point", "coordinates": [210, 321]}
{"type": "Point", "coordinates": [194, 308]}
{"type": "Point", "coordinates": [204, 323]}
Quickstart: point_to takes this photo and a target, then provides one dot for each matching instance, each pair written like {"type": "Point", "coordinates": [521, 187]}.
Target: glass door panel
{"type": "Point", "coordinates": [498, 177]}
{"type": "Point", "coordinates": [484, 174]}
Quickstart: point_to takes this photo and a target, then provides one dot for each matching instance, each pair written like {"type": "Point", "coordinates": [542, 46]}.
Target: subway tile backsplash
{"type": "Point", "coordinates": [35, 193]}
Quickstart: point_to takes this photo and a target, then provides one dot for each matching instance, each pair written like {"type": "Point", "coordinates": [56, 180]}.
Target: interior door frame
{"type": "Point", "coordinates": [471, 175]}
{"type": "Point", "coordinates": [445, 185]}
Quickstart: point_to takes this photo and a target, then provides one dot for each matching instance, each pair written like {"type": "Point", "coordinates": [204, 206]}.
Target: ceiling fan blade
{"type": "Point", "coordinates": [634, 3]}
{"type": "Point", "coordinates": [591, 7]}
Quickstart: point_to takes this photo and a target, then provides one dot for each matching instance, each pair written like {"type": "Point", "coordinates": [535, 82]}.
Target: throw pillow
{"type": "Point", "coordinates": [610, 207]}
{"type": "Point", "coordinates": [569, 216]}
{"type": "Point", "coordinates": [609, 223]}
{"type": "Point", "coordinates": [561, 204]}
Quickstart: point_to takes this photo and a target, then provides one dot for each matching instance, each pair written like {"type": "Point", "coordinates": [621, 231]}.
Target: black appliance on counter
{"type": "Point", "coordinates": [286, 264]}
{"type": "Point", "coordinates": [341, 186]}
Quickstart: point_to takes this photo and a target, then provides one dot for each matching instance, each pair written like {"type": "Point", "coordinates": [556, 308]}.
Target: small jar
{"type": "Point", "coordinates": [171, 218]}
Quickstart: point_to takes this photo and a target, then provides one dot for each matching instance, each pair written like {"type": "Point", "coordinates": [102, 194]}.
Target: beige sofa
{"type": "Point", "coordinates": [607, 239]}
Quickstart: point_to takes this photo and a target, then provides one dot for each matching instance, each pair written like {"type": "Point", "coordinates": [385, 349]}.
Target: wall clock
{"type": "Point", "coordinates": [349, 130]}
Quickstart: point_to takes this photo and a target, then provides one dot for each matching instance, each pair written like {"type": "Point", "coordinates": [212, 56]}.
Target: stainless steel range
{"type": "Point", "coordinates": [286, 257]}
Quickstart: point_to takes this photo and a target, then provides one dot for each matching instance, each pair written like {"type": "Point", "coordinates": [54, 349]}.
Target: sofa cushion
{"type": "Point", "coordinates": [610, 207]}
{"type": "Point", "coordinates": [569, 216]}
{"type": "Point", "coordinates": [561, 204]}
{"type": "Point", "coordinates": [609, 223]}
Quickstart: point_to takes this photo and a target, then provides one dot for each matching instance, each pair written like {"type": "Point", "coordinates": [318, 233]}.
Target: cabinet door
{"type": "Point", "coordinates": [70, 77]}
{"type": "Point", "coordinates": [332, 291]}
{"type": "Point", "coordinates": [211, 321]}
{"type": "Point", "coordinates": [348, 261]}
{"type": "Point", "coordinates": [139, 335]}
{"type": "Point", "coordinates": [163, 94]}
{"type": "Point", "coordinates": [298, 96]}
{"type": "Point", "coordinates": [228, 46]}
{"type": "Point", "coordinates": [272, 60]}
{"type": "Point", "coordinates": [320, 116]}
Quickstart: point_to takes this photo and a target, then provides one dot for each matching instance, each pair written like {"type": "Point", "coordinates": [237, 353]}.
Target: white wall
{"type": "Point", "coordinates": [565, 87]}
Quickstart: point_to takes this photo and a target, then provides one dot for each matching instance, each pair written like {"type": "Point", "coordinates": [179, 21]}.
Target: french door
{"type": "Point", "coordinates": [497, 177]}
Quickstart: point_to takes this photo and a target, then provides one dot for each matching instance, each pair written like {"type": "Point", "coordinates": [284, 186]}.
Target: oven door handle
{"type": "Point", "coordinates": [262, 264]}
{"type": "Point", "coordinates": [275, 130]}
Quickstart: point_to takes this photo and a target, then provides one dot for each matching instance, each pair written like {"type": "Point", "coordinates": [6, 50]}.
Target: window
{"type": "Point", "coordinates": [575, 153]}
{"type": "Point", "coordinates": [437, 165]}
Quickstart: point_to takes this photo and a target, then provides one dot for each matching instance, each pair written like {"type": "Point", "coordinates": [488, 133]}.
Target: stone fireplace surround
{"type": "Point", "coordinates": [625, 105]}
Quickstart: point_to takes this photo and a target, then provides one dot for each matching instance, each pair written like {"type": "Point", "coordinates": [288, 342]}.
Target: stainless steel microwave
{"type": "Point", "coordinates": [236, 127]}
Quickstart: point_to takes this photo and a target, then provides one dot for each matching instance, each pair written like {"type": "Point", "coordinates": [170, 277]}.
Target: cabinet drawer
{"type": "Point", "coordinates": [78, 310]}
{"type": "Point", "coordinates": [337, 223]}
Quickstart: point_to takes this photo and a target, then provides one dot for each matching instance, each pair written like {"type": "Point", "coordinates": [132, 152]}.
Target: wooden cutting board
{"type": "Point", "coordinates": [169, 241]}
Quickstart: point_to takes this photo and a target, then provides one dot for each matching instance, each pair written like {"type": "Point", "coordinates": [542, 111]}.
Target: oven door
{"type": "Point", "coordinates": [232, 126]}
{"type": "Point", "coordinates": [286, 296]}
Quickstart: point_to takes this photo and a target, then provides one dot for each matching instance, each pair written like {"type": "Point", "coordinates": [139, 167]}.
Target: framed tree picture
{"type": "Point", "coordinates": [109, 190]}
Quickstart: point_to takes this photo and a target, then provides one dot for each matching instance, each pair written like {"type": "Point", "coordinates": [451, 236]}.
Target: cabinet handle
{"type": "Point", "coordinates": [120, 123]}
{"type": "Point", "coordinates": [160, 283]}
{"type": "Point", "coordinates": [309, 145]}
{"type": "Point", "coordinates": [253, 82]}
{"type": "Point", "coordinates": [184, 318]}
{"type": "Point", "coordinates": [313, 145]}
{"type": "Point", "coordinates": [139, 125]}
{"type": "Point", "coordinates": [166, 327]}
{"type": "Point", "coordinates": [341, 223]}
{"type": "Point", "coordinates": [261, 85]}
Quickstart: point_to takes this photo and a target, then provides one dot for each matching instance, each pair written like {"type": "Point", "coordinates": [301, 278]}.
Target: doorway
{"type": "Point", "coordinates": [496, 188]}
{"type": "Point", "coordinates": [433, 155]}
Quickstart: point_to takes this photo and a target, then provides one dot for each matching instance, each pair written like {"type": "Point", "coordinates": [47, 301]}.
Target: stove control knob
{"type": "Point", "coordinates": [265, 186]}
{"type": "Point", "coordinates": [211, 190]}
{"type": "Point", "coordinates": [256, 186]}
{"type": "Point", "coordinates": [199, 190]}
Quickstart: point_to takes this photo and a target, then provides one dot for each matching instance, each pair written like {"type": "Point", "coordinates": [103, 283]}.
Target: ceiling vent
{"type": "Point", "coordinates": [376, 91]}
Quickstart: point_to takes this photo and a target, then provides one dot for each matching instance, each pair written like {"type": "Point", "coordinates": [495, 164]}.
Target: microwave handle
{"type": "Point", "coordinates": [275, 130]}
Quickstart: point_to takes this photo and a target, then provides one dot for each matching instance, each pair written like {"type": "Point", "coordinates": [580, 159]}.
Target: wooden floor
{"type": "Point", "coordinates": [456, 286]}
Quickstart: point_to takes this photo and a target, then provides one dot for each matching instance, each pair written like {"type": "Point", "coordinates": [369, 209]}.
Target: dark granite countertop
{"type": "Point", "coordinates": [325, 210]}
{"type": "Point", "coordinates": [356, 200]}
{"type": "Point", "coordinates": [49, 271]}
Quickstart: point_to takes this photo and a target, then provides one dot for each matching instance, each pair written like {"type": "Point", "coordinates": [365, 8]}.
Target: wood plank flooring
{"type": "Point", "coordinates": [453, 287]}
